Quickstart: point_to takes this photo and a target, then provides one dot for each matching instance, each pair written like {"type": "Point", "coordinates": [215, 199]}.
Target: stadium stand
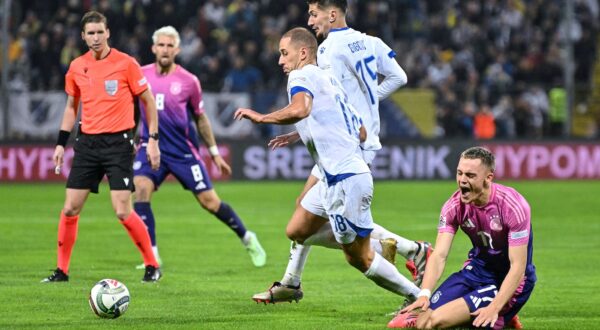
{"type": "Point", "coordinates": [502, 56]}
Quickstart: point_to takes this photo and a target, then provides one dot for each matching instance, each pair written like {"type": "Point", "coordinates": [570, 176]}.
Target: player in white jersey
{"type": "Point", "coordinates": [332, 132]}
{"type": "Point", "coordinates": [356, 60]}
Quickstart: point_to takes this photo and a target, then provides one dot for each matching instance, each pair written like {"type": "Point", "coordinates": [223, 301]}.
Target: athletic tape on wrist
{"type": "Point", "coordinates": [424, 293]}
{"type": "Point", "coordinates": [213, 151]}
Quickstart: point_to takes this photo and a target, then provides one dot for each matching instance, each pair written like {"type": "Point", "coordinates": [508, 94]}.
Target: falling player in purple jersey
{"type": "Point", "coordinates": [177, 91]}
{"type": "Point", "coordinates": [499, 276]}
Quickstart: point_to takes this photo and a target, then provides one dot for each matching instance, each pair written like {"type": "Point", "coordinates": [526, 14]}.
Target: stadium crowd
{"type": "Point", "coordinates": [496, 66]}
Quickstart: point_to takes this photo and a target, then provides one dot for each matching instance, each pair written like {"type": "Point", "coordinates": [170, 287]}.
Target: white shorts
{"type": "Point", "coordinates": [312, 201]}
{"type": "Point", "coordinates": [346, 204]}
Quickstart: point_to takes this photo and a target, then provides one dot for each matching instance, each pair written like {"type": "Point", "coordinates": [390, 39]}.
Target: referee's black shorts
{"type": "Point", "coordinates": [99, 154]}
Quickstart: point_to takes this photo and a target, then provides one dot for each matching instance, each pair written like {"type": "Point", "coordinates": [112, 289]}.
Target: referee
{"type": "Point", "coordinates": [105, 82]}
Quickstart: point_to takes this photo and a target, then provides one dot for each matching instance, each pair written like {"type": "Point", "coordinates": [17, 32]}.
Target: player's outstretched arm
{"type": "Point", "coordinates": [297, 110]}
{"type": "Point", "coordinates": [488, 315]}
{"type": "Point", "coordinates": [433, 271]}
{"type": "Point", "coordinates": [205, 129]}
{"type": "Point", "coordinates": [284, 140]}
{"type": "Point", "coordinates": [152, 122]}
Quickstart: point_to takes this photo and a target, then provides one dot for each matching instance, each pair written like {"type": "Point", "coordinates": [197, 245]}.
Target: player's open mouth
{"type": "Point", "coordinates": [464, 191]}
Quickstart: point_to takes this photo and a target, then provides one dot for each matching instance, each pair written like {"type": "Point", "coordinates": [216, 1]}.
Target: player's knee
{"type": "Point", "coordinates": [359, 262]}
{"type": "Point", "coordinates": [211, 205]}
{"type": "Point", "coordinates": [296, 233]}
{"type": "Point", "coordinates": [70, 210]}
{"type": "Point", "coordinates": [122, 215]}
{"type": "Point", "coordinates": [209, 201]}
{"type": "Point", "coordinates": [142, 194]}
{"type": "Point", "coordinates": [435, 320]}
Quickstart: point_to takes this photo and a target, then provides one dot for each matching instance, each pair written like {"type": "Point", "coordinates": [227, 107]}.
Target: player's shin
{"type": "Point", "coordinates": [139, 235]}
{"type": "Point", "coordinates": [67, 235]}
{"type": "Point", "coordinates": [144, 210]}
{"type": "Point", "coordinates": [295, 267]}
{"type": "Point", "coordinates": [387, 276]}
{"type": "Point", "coordinates": [228, 216]}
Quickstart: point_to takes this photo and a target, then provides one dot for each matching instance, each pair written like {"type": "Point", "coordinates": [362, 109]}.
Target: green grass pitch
{"type": "Point", "coordinates": [209, 279]}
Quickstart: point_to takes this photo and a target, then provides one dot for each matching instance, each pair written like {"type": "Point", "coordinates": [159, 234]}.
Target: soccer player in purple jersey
{"type": "Point", "coordinates": [499, 276]}
{"type": "Point", "coordinates": [176, 91]}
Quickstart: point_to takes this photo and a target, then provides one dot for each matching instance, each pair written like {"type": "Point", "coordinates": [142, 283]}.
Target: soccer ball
{"type": "Point", "coordinates": [109, 298]}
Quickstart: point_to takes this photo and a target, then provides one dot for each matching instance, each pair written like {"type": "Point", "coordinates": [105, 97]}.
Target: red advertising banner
{"type": "Point", "coordinates": [34, 163]}
{"type": "Point", "coordinates": [547, 161]}
{"type": "Point", "coordinates": [397, 160]}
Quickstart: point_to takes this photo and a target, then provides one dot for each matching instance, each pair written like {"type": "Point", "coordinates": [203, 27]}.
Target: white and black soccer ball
{"type": "Point", "coordinates": [109, 298]}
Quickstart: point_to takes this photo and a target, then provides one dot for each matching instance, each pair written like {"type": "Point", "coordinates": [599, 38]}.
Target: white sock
{"type": "Point", "coordinates": [405, 247]}
{"type": "Point", "coordinates": [323, 237]}
{"type": "Point", "coordinates": [246, 238]}
{"type": "Point", "coordinates": [295, 267]}
{"type": "Point", "coordinates": [376, 246]}
{"type": "Point", "coordinates": [384, 274]}
{"type": "Point", "coordinates": [155, 251]}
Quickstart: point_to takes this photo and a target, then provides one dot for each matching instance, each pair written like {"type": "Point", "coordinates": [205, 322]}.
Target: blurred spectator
{"type": "Point", "coordinates": [472, 53]}
{"type": "Point", "coordinates": [241, 78]}
{"type": "Point", "coordinates": [484, 127]}
{"type": "Point", "coordinates": [68, 53]}
{"type": "Point", "coordinates": [45, 65]}
{"type": "Point", "coordinates": [503, 118]}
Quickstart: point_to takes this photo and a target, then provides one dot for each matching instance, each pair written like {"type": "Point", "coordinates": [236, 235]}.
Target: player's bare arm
{"type": "Point", "coordinates": [518, 261]}
{"type": "Point", "coordinates": [68, 121]}
{"type": "Point", "coordinates": [297, 110]}
{"type": "Point", "coordinates": [206, 132]}
{"type": "Point", "coordinates": [284, 140]}
{"type": "Point", "coordinates": [433, 271]}
{"type": "Point", "coordinates": [152, 117]}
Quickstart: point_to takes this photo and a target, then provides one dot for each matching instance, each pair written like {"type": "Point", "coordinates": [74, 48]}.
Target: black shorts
{"type": "Point", "coordinates": [99, 154]}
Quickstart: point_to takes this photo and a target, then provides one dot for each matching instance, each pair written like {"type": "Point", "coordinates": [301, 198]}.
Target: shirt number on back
{"type": "Point", "coordinates": [362, 66]}
{"type": "Point", "coordinates": [160, 101]}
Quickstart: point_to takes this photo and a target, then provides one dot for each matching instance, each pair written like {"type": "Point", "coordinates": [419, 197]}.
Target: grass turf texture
{"type": "Point", "coordinates": [209, 279]}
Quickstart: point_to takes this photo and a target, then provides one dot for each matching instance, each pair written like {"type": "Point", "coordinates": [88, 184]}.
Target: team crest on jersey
{"type": "Point", "coordinates": [175, 87]}
{"type": "Point", "coordinates": [436, 297]}
{"type": "Point", "coordinates": [111, 87]}
{"type": "Point", "coordinates": [495, 223]}
{"type": "Point", "coordinates": [321, 50]}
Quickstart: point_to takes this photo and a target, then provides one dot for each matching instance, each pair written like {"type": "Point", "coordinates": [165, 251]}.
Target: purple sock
{"type": "Point", "coordinates": [144, 210]}
{"type": "Point", "coordinates": [228, 216]}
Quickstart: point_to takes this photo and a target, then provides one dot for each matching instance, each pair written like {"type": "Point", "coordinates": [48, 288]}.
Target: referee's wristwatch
{"type": "Point", "coordinates": [154, 135]}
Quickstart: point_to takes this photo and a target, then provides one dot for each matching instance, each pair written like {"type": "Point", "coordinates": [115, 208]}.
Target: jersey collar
{"type": "Point", "coordinates": [339, 29]}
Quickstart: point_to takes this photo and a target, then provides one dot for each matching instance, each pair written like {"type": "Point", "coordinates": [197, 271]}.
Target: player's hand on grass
{"type": "Point", "coordinates": [284, 140]}
{"type": "Point", "coordinates": [153, 153]}
{"type": "Point", "coordinates": [249, 114]}
{"type": "Point", "coordinates": [486, 316]}
{"type": "Point", "coordinates": [222, 166]}
{"type": "Point", "coordinates": [421, 303]}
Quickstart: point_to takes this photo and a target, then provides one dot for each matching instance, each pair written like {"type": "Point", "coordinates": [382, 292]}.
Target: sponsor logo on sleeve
{"type": "Point", "coordinates": [142, 81]}
{"type": "Point", "coordinates": [442, 222]}
{"type": "Point", "coordinates": [519, 234]}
